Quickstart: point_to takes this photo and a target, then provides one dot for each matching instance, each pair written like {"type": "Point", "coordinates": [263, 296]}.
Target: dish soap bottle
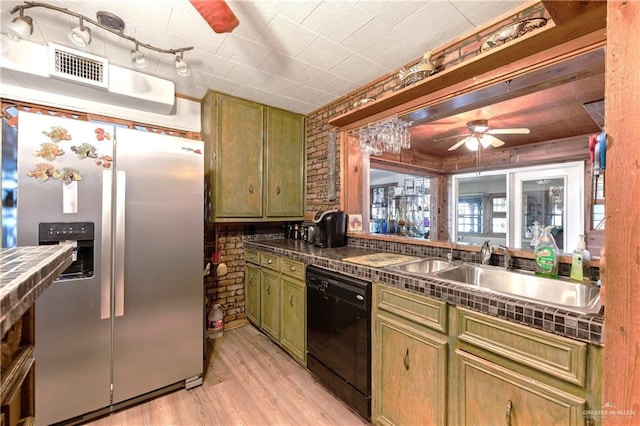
{"type": "Point", "coordinates": [546, 254]}
{"type": "Point", "coordinates": [580, 261]}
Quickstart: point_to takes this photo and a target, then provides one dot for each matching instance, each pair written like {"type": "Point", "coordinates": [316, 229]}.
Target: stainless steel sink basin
{"type": "Point", "coordinates": [422, 266]}
{"type": "Point", "coordinates": [568, 295]}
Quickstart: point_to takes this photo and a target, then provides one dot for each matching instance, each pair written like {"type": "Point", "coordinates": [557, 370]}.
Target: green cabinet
{"type": "Point", "coordinates": [255, 160]}
{"type": "Point", "coordinates": [293, 328]}
{"type": "Point", "coordinates": [275, 300]}
{"type": "Point", "coordinates": [440, 364]}
{"type": "Point", "coordinates": [285, 171]}
{"type": "Point", "coordinates": [512, 374]}
{"type": "Point", "coordinates": [489, 394]}
{"type": "Point", "coordinates": [270, 295]}
{"type": "Point", "coordinates": [409, 359]}
{"type": "Point", "coordinates": [252, 286]}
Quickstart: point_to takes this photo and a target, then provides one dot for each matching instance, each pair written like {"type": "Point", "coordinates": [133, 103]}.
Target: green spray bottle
{"type": "Point", "coordinates": [546, 254]}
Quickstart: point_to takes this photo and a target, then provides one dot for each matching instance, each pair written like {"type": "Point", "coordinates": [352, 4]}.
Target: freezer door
{"type": "Point", "coordinates": [158, 327]}
{"type": "Point", "coordinates": [72, 334]}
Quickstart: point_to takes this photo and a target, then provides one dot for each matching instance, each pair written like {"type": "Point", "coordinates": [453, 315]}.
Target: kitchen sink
{"type": "Point", "coordinates": [561, 293]}
{"type": "Point", "coordinates": [422, 266]}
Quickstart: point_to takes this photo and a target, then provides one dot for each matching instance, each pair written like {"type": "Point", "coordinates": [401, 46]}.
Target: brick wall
{"type": "Point", "coordinates": [229, 291]}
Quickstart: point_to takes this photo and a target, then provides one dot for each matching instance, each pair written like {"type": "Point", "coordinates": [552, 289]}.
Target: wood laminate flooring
{"type": "Point", "coordinates": [249, 381]}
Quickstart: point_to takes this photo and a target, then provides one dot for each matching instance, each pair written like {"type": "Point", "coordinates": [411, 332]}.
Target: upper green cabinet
{"type": "Point", "coordinates": [255, 160]}
{"type": "Point", "coordinates": [285, 164]}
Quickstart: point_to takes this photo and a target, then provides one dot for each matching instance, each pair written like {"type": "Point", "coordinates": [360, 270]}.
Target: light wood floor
{"type": "Point", "coordinates": [249, 381]}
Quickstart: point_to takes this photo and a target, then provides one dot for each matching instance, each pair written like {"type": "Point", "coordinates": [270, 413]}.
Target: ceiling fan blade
{"type": "Point", "coordinates": [217, 14]}
{"type": "Point", "coordinates": [495, 142]}
{"type": "Point", "coordinates": [450, 137]}
{"type": "Point", "coordinates": [459, 143]}
{"type": "Point", "coordinates": [514, 131]}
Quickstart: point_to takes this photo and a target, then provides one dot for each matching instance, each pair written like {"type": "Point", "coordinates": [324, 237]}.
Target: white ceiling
{"type": "Point", "coordinates": [298, 55]}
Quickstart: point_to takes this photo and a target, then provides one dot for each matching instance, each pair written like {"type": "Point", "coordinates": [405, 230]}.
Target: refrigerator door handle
{"type": "Point", "coordinates": [121, 180]}
{"type": "Point", "coordinates": [105, 247]}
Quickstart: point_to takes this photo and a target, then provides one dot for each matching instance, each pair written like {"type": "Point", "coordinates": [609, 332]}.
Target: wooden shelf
{"type": "Point", "coordinates": [502, 56]}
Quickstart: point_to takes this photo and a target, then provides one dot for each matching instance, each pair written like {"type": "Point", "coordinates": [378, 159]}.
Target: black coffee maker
{"type": "Point", "coordinates": [332, 228]}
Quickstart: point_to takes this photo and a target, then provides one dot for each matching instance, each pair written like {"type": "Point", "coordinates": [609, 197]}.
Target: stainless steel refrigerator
{"type": "Point", "coordinates": [126, 319]}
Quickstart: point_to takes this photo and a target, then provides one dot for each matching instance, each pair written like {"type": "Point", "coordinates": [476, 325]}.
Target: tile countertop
{"type": "Point", "coordinates": [586, 328]}
{"type": "Point", "coordinates": [25, 272]}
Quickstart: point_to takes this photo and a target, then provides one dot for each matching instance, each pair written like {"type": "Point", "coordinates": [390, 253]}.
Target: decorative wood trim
{"type": "Point", "coordinates": [620, 275]}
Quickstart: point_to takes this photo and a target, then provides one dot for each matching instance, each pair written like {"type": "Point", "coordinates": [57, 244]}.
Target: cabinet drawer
{"type": "Point", "coordinates": [557, 356]}
{"type": "Point", "coordinates": [252, 256]}
{"type": "Point", "coordinates": [419, 309]}
{"type": "Point", "coordinates": [269, 260]}
{"type": "Point", "coordinates": [293, 268]}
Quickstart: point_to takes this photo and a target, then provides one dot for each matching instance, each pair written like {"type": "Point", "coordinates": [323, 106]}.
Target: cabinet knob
{"type": "Point", "coordinates": [292, 268]}
{"type": "Point", "coordinates": [278, 189]}
{"type": "Point", "coordinates": [251, 280]}
{"type": "Point", "coordinates": [250, 189]}
{"type": "Point", "coordinates": [406, 360]}
{"type": "Point", "coordinates": [269, 289]}
{"type": "Point", "coordinates": [291, 300]}
{"type": "Point", "coordinates": [507, 415]}
{"type": "Point", "coordinates": [269, 261]}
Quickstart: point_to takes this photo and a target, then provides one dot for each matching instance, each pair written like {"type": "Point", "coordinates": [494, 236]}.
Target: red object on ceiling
{"type": "Point", "coordinates": [217, 14]}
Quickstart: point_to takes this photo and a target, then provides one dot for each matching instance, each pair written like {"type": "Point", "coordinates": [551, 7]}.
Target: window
{"type": "Point", "coordinates": [470, 215]}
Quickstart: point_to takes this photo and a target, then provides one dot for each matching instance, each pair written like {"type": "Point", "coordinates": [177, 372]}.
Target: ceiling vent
{"type": "Point", "coordinates": [70, 64]}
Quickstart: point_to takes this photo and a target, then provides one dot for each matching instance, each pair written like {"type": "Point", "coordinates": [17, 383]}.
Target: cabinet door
{"type": "Point", "coordinates": [489, 394]}
{"type": "Point", "coordinates": [270, 303]}
{"type": "Point", "coordinates": [252, 293]}
{"type": "Point", "coordinates": [239, 158]}
{"type": "Point", "coordinates": [285, 164]}
{"type": "Point", "coordinates": [409, 376]}
{"type": "Point", "coordinates": [293, 324]}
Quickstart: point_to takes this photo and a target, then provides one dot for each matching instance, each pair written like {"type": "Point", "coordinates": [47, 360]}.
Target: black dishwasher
{"type": "Point", "coordinates": [339, 335]}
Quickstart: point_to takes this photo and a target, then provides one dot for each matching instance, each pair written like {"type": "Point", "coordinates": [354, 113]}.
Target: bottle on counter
{"type": "Point", "coordinates": [580, 261]}
{"type": "Point", "coordinates": [546, 254]}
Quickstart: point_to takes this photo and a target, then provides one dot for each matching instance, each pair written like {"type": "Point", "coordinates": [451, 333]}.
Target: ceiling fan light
{"type": "Point", "coordinates": [182, 68]}
{"type": "Point", "coordinates": [138, 59]}
{"type": "Point", "coordinates": [472, 144]}
{"type": "Point", "coordinates": [80, 36]}
{"type": "Point", "coordinates": [20, 28]}
{"type": "Point", "coordinates": [485, 141]}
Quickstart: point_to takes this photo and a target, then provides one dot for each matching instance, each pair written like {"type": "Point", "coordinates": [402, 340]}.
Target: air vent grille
{"type": "Point", "coordinates": [78, 66]}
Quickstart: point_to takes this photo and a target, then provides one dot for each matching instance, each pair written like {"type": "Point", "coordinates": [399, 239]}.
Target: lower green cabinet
{"type": "Point", "coordinates": [293, 329]}
{"type": "Point", "coordinates": [252, 293]}
{"type": "Point", "coordinates": [489, 394]}
{"type": "Point", "coordinates": [438, 364]}
{"type": "Point", "coordinates": [275, 300]}
{"type": "Point", "coordinates": [409, 359]}
{"type": "Point", "coordinates": [270, 303]}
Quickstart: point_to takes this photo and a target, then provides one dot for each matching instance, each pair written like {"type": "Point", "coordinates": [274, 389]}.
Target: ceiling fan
{"type": "Point", "coordinates": [217, 14]}
{"type": "Point", "coordinates": [482, 135]}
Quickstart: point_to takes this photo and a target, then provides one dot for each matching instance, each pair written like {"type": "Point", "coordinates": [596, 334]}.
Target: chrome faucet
{"type": "Point", "coordinates": [485, 252]}
{"type": "Point", "coordinates": [450, 254]}
{"type": "Point", "coordinates": [507, 257]}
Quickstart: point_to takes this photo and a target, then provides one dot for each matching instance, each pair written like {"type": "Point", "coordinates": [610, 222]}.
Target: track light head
{"type": "Point", "coordinates": [182, 68]}
{"type": "Point", "coordinates": [138, 59]}
{"type": "Point", "coordinates": [20, 28]}
{"type": "Point", "coordinates": [80, 35]}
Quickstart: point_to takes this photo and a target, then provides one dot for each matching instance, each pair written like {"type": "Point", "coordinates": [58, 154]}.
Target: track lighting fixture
{"type": "Point", "coordinates": [182, 68]}
{"type": "Point", "coordinates": [21, 27]}
{"type": "Point", "coordinates": [80, 35]}
{"type": "Point", "coordinates": [138, 59]}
